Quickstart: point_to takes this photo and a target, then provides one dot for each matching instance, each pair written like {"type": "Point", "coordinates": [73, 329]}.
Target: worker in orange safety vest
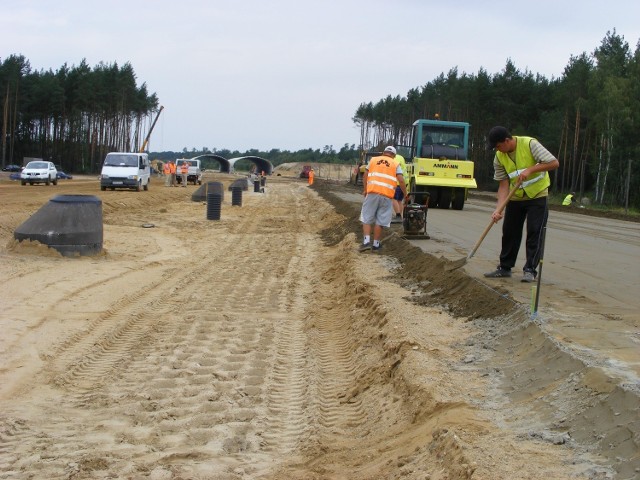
{"type": "Point", "coordinates": [166, 169]}
{"type": "Point", "coordinates": [172, 172]}
{"type": "Point", "coordinates": [381, 177]}
{"type": "Point", "coordinates": [184, 171]}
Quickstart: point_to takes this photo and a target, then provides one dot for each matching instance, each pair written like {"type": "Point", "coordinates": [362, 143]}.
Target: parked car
{"type": "Point", "coordinates": [39, 171]}
{"type": "Point", "coordinates": [63, 176]}
{"type": "Point", "coordinates": [11, 168]}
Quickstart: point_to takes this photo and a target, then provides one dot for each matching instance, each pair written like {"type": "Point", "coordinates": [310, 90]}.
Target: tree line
{"type": "Point", "coordinates": [589, 118]}
{"type": "Point", "coordinates": [73, 116]}
{"type": "Point", "coordinates": [76, 115]}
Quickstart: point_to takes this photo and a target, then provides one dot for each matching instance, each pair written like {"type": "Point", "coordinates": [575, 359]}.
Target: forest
{"type": "Point", "coordinates": [74, 116]}
{"type": "Point", "coordinates": [588, 117]}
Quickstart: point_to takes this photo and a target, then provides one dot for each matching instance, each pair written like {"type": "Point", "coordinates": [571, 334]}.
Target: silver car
{"type": "Point", "coordinates": [39, 171]}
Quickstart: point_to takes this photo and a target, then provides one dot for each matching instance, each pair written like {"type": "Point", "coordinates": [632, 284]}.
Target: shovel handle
{"type": "Point", "coordinates": [501, 206]}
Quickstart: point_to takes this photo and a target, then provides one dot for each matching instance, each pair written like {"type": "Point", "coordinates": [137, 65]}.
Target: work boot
{"type": "Point", "coordinates": [528, 276]}
{"type": "Point", "coordinates": [498, 273]}
{"type": "Point", "coordinates": [365, 246]}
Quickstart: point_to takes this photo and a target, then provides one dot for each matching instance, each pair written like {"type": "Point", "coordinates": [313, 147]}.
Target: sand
{"type": "Point", "coordinates": [263, 345]}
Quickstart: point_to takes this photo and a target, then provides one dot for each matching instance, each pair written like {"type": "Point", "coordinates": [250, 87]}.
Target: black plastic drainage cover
{"type": "Point", "coordinates": [72, 224]}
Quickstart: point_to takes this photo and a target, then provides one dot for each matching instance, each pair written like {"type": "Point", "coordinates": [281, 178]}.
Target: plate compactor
{"type": "Point", "coordinates": [414, 215]}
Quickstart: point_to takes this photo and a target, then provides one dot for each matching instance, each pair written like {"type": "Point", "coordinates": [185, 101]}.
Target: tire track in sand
{"type": "Point", "coordinates": [219, 380]}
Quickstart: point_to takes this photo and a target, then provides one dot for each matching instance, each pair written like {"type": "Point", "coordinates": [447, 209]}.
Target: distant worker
{"type": "Point", "coordinates": [524, 161]}
{"type": "Point", "coordinates": [172, 172]}
{"type": "Point", "coordinates": [398, 197]}
{"type": "Point", "coordinates": [184, 171]}
{"type": "Point", "coordinates": [166, 169]}
{"type": "Point", "coordinates": [381, 177]}
{"type": "Point", "coordinates": [569, 199]}
{"type": "Point", "coordinates": [311, 175]}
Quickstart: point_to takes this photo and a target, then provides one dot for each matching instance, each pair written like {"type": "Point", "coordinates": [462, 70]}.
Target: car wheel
{"type": "Point", "coordinates": [55, 181]}
{"type": "Point", "coordinates": [23, 182]}
{"type": "Point", "coordinates": [103, 188]}
{"type": "Point", "coordinates": [48, 182]}
{"type": "Point", "coordinates": [146, 187]}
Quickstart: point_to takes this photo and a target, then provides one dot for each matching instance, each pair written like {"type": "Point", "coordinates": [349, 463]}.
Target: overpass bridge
{"type": "Point", "coordinates": [228, 165]}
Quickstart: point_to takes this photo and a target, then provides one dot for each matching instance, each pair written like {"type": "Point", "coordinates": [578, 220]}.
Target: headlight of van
{"type": "Point", "coordinates": [133, 177]}
{"type": "Point", "coordinates": [104, 177]}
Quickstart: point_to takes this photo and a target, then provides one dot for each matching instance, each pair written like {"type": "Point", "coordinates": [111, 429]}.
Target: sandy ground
{"type": "Point", "coordinates": [263, 345]}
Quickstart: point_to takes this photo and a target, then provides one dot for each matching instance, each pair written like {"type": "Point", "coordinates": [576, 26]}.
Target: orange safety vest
{"type": "Point", "coordinates": [166, 169]}
{"type": "Point", "coordinates": [172, 168]}
{"type": "Point", "coordinates": [382, 178]}
{"type": "Point", "coordinates": [184, 168]}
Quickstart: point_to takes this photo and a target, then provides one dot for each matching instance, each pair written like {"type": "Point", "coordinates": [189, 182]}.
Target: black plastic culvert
{"type": "Point", "coordinates": [71, 224]}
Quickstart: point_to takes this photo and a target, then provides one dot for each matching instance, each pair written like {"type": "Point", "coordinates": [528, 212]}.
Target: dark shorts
{"type": "Point", "coordinates": [398, 195]}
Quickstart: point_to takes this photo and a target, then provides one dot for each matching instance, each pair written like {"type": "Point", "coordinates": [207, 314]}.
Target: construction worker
{"type": "Point", "coordinates": [311, 174]}
{"type": "Point", "coordinates": [380, 179]}
{"type": "Point", "coordinates": [172, 172]}
{"type": "Point", "coordinates": [398, 197]}
{"type": "Point", "coordinates": [520, 163]}
{"type": "Point", "coordinates": [184, 171]}
{"type": "Point", "coordinates": [166, 170]}
{"type": "Point", "coordinates": [569, 199]}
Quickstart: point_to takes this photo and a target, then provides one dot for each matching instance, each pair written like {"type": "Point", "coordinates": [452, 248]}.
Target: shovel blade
{"type": "Point", "coordinates": [456, 264]}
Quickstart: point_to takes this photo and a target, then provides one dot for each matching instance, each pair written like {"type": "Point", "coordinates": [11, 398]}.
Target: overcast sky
{"type": "Point", "coordinates": [290, 74]}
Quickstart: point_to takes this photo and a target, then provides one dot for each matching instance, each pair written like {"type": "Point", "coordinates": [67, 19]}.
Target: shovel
{"type": "Point", "coordinates": [463, 261]}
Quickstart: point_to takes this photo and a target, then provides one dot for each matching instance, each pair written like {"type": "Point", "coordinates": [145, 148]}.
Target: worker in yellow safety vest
{"type": "Point", "coordinates": [569, 199]}
{"type": "Point", "coordinates": [520, 163]}
{"type": "Point", "coordinates": [398, 197]}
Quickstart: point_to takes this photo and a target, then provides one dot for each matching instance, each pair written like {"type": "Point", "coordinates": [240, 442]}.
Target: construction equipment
{"type": "Point", "coordinates": [357, 174]}
{"type": "Point", "coordinates": [414, 217]}
{"type": "Point", "coordinates": [414, 222]}
{"type": "Point", "coordinates": [439, 163]}
{"type": "Point", "coordinates": [463, 261]}
{"type": "Point", "coordinates": [146, 140]}
{"type": "Point", "coordinates": [157, 167]}
{"type": "Point", "coordinates": [306, 169]}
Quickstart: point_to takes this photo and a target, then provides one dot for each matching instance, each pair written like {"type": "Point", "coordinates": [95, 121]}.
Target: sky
{"type": "Point", "coordinates": [290, 74]}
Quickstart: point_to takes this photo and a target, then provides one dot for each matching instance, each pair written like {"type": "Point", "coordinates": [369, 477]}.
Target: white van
{"type": "Point", "coordinates": [125, 170]}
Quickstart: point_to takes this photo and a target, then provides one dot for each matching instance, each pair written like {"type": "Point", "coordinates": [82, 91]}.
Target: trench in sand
{"type": "Point", "coordinates": [546, 391]}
